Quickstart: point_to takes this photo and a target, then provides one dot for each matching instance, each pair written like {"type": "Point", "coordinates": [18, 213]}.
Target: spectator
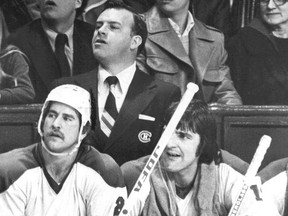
{"type": "Point", "coordinates": [188, 179]}
{"type": "Point", "coordinates": [180, 49]}
{"type": "Point", "coordinates": [258, 56]}
{"type": "Point", "coordinates": [136, 117]}
{"type": "Point", "coordinates": [215, 13]}
{"type": "Point", "coordinates": [57, 45]}
{"type": "Point", "coordinates": [59, 176]}
{"type": "Point", "coordinates": [15, 84]}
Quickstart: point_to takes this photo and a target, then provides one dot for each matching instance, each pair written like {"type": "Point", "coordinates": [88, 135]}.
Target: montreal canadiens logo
{"type": "Point", "coordinates": [145, 136]}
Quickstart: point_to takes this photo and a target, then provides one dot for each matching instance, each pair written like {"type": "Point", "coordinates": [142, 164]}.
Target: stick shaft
{"type": "Point", "coordinates": [251, 172]}
{"type": "Point", "coordinates": [154, 157]}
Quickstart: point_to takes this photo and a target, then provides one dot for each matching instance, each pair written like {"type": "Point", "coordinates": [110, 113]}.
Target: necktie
{"type": "Point", "coordinates": [60, 42]}
{"type": "Point", "coordinates": [110, 110]}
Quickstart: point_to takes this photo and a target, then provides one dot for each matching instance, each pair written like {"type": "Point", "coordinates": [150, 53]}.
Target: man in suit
{"type": "Point", "coordinates": [41, 41]}
{"type": "Point", "coordinates": [180, 49]}
{"type": "Point", "coordinates": [139, 99]}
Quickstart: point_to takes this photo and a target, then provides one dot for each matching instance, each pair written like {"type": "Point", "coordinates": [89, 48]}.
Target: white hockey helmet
{"type": "Point", "coordinates": [75, 97]}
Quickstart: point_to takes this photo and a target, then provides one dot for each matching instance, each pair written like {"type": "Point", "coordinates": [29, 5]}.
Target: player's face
{"type": "Point", "coordinates": [180, 153]}
{"type": "Point", "coordinates": [61, 128]}
{"type": "Point", "coordinates": [173, 6]}
{"type": "Point", "coordinates": [59, 10]}
{"type": "Point", "coordinates": [273, 14]}
{"type": "Point", "coordinates": [113, 36]}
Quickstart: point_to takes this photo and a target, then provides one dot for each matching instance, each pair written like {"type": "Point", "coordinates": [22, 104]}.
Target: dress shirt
{"type": "Point", "coordinates": [119, 90]}
{"type": "Point", "coordinates": [185, 36]}
{"type": "Point", "coordinates": [68, 47]}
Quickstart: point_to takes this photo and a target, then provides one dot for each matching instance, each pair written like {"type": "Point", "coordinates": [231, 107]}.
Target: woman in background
{"type": "Point", "coordinates": [15, 84]}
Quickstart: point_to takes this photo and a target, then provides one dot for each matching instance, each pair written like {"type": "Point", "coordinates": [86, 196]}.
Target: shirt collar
{"type": "Point", "coordinates": [125, 77]}
{"type": "Point", "coordinates": [52, 35]}
{"type": "Point", "coordinates": [189, 26]}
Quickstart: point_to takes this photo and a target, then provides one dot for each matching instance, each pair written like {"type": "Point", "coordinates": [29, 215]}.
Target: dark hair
{"type": "Point", "coordinates": [139, 27]}
{"type": "Point", "coordinates": [198, 119]}
{"type": "Point", "coordinates": [80, 10]}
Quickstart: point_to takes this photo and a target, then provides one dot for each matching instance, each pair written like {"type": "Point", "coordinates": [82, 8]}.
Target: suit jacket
{"type": "Point", "coordinates": [257, 67]}
{"type": "Point", "coordinates": [166, 59]}
{"type": "Point", "coordinates": [133, 135]}
{"type": "Point", "coordinates": [44, 68]}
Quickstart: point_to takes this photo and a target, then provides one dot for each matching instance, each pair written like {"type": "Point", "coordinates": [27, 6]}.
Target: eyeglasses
{"type": "Point", "coordinates": [277, 2]}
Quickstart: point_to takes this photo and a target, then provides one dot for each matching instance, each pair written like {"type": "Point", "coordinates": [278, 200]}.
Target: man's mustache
{"type": "Point", "coordinates": [56, 134]}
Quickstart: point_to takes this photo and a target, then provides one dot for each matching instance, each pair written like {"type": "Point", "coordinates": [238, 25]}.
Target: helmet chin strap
{"type": "Point", "coordinates": [76, 147]}
{"type": "Point", "coordinates": [60, 153]}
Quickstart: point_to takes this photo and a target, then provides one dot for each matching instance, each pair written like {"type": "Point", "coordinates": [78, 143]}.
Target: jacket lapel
{"type": "Point", "coordinates": [139, 95]}
{"type": "Point", "coordinates": [77, 56]}
{"type": "Point", "coordinates": [42, 54]}
{"type": "Point", "coordinates": [94, 94]}
{"type": "Point", "coordinates": [82, 53]}
{"type": "Point", "coordinates": [161, 33]}
{"type": "Point", "coordinates": [90, 83]}
{"type": "Point", "coordinates": [201, 49]}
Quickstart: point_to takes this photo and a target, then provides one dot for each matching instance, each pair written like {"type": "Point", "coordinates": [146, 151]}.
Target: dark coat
{"type": "Point", "coordinates": [44, 68]}
{"type": "Point", "coordinates": [146, 96]}
{"type": "Point", "coordinates": [257, 69]}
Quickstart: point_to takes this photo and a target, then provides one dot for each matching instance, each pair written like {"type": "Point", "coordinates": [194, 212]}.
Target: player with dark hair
{"type": "Point", "coordinates": [189, 178]}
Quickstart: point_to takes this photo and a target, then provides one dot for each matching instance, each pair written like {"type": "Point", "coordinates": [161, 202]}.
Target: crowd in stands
{"type": "Point", "coordinates": [248, 73]}
{"type": "Point", "coordinates": [109, 74]}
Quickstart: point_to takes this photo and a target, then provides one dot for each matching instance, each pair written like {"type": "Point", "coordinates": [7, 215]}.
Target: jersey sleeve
{"type": "Point", "coordinates": [230, 185]}
{"type": "Point", "coordinates": [13, 200]}
{"type": "Point", "coordinates": [275, 190]}
{"type": "Point", "coordinates": [105, 200]}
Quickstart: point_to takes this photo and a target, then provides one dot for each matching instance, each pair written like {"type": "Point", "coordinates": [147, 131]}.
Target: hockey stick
{"type": "Point", "coordinates": [159, 148]}
{"type": "Point", "coordinates": [251, 172]}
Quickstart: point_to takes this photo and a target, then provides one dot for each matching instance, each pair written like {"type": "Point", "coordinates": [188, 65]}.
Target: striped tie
{"type": "Point", "coordinates": [110, 111]}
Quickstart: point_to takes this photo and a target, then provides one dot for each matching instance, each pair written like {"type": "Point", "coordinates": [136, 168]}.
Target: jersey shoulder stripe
{"type": "Point", "coordinates": [14, 163]}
